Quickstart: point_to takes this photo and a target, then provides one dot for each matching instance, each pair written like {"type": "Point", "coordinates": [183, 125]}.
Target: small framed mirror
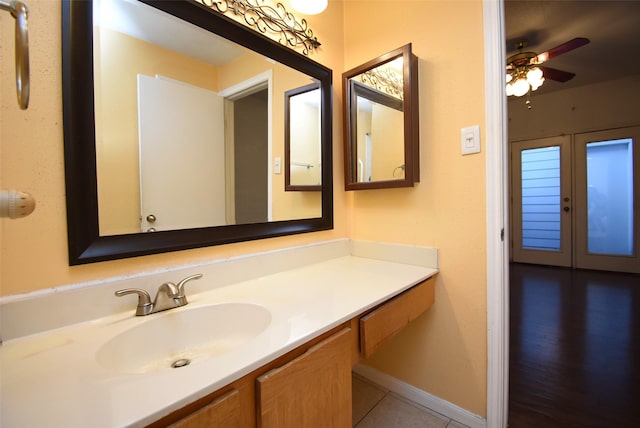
{"type": "Point", "coordinates": [381, 122]}
{"type": "Point", "coordinates": [302, 163]}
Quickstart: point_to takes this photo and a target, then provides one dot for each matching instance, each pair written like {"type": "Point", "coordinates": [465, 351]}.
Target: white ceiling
{"type": "Point", "coordinates": [612, 26]}
{"type": "Point", "coordinates": [154, 26]}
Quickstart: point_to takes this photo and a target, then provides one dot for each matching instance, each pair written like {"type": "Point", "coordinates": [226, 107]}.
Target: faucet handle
{"type": "Point", "coordinates": [184, 281]}
{"type": "Point", "coordinates": [144, 300]}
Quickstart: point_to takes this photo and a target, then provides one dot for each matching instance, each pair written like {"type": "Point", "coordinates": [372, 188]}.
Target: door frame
{"type": "Point", "coordinates": [497, 230]}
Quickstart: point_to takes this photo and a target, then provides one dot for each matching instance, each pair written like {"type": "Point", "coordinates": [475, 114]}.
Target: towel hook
{"type": "Point", "coordinates": [19, 11]}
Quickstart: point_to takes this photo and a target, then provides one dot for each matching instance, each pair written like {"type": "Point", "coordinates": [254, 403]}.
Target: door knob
{"type": "Point", "coordinates": [151, 218]}
{"type": "Point", "coordinates": [566, 209]}
{"type": "Point", "coordinates": [151, 229]}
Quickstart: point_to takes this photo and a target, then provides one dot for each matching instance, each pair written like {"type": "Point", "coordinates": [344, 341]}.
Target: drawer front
{"type": "Point", "coordinates": [386, 321]}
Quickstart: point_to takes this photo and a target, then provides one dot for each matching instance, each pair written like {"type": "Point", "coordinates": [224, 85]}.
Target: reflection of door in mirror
{"type": "Point", "coordinates": [181, 155]}
{"type": "Point", "coordinates": [303, 168]}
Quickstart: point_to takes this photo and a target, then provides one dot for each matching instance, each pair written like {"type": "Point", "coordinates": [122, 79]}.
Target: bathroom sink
{"type": "Point", "coordinates": [177, 338]}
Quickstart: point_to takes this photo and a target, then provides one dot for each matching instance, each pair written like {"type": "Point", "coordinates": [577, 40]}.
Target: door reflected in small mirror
{"type": "Point", "coordinates": [303, 168]}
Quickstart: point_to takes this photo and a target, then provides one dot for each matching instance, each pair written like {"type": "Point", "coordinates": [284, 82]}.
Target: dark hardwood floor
{"type": "Point", "coordinates": [574, 348]}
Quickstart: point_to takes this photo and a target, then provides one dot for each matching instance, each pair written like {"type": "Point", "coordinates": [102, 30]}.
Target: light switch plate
{"type": "Point", "coordinates": [277, 165]}
{"type": "Point", "coordinates": [470, 140]}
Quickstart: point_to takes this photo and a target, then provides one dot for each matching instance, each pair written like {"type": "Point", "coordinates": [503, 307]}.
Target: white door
{"type": "Point", "coordinates": [608, 200]}
{"type": "Point", "coordinates": [577, 203]}
{"type": "Point", "coordinates": [541, 201]}
{"type": "Point", "coordinates": [181, 138]}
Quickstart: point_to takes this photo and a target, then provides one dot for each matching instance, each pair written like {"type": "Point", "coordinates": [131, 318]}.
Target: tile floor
{"type": "Point", "coordinates": [376, 407]}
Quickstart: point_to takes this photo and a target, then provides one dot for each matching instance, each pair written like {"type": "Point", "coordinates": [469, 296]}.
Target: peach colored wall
{"type": "Point", "coordinates": [34, 249]}
{"type": "Point", "coordinates": [444, 351]}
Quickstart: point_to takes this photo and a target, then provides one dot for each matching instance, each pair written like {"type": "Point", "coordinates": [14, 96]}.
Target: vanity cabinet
{"type": "Point", "coordinates": [309, 386]}
{"type": "Point", "coordinates": [302, 373]}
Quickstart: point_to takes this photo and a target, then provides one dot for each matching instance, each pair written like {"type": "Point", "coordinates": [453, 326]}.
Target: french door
{"type": "Point", "coordinates": [575, 200]}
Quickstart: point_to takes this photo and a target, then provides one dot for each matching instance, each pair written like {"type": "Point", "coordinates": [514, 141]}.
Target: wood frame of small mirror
{"type": "Point", "coordinates": [292, 139]}
{"type": "Point", "coordinates": [86, 245]}
{"type": "Point", "coordinates": [405, 98]}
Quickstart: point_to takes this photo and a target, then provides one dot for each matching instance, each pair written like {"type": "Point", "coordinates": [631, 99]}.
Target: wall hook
{"type": "Point", "coordinates": [20, 11]}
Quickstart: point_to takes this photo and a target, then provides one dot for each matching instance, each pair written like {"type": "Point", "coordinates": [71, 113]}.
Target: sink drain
{"type": "Point", "coordinates": [180, 363]}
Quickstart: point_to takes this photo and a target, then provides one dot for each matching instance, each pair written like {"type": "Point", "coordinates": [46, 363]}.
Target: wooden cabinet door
{"type": "Point", "coordinates": [223, 412]}
{"type": "Point", "coordinates": [311, 391]}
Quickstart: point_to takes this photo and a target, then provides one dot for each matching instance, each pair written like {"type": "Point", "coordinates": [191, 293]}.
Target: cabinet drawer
{"type": "Point", "coordinates": [387, 320]}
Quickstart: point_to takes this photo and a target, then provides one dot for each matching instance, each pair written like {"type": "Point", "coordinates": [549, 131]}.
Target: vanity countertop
{"type": "Point", "coordinates": [54, 378]}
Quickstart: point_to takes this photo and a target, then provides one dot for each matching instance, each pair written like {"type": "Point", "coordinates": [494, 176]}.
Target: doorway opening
{"type": "Point", "coordinates": [251, 157]}
{"type": "Point", "coordinates": [248, 150]}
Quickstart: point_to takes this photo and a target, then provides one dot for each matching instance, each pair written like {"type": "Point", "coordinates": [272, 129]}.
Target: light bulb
{"type": "Point", "coordinates": [309, 7]}
{"type": "Point", "coordinates": [534, 74]}
{"type": "Point", "coordinates": [509, 89]}
{"type": "Point", "coordinates": [534, 77]}
{"type": "Point", "coordinates": [520, 87]}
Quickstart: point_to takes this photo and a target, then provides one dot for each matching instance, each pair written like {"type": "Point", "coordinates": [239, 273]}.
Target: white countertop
{"type": "Point", "coordinates": [54, 379]}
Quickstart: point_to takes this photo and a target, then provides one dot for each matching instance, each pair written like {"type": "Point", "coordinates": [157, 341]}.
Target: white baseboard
{"type": "Point", "coordinates": [421, 397]}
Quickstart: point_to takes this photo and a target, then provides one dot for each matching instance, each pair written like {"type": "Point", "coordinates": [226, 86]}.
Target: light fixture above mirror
{"type": "Point", "coordinates": [274, 21]}
{"type": "Point", "coordinates": [309, 7]}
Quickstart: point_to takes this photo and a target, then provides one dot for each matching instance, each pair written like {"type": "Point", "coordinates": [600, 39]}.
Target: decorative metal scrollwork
{"type": "Point", "coordinates": [384, 79]}
{"type": "Point", "coordinates": [269, 19]}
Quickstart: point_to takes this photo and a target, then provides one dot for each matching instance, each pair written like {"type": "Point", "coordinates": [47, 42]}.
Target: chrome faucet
{"type": "Point", "coordinates": [169, 296]}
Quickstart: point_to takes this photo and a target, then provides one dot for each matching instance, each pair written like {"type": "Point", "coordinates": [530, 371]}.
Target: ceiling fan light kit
{"type": "Point", "coordinates": [525, 72]}
{"type": "Point", "coordinates": [524, 80]}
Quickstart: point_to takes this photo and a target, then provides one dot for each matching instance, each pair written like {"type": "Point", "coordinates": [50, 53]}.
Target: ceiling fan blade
{"type": "Point", "coordinates": [561, 49]}
{"type": "Point", "coordinates": [555, 74]}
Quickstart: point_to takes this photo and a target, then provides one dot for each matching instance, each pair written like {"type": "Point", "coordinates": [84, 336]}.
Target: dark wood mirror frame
{"type": "Point", "coordinates": [410, 120]}
{"type": "Point", "coordinates": [287, 139]}
{"type": "Point", "coordinates": [85, 243]}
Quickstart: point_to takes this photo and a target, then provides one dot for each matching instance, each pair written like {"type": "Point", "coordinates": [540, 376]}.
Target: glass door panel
{"type": "Point", "coordinates": [610, 197]}
{"type": "Point", "coordinates": [541, 198]}
{"type": "Point", "coordinates": [541, 208]}
{"type": "Point", "coordinates": [606, 165]}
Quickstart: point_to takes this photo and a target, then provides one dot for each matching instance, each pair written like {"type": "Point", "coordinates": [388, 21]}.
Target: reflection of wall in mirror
{"type": "Point", "coordinates": [387, 146]}
{"type": "Point", "coordinates": [381, 128]}
{"type": "Point", "coordinates": [305, 142]}
{"type": "Point", "coordinates": [118, 60]}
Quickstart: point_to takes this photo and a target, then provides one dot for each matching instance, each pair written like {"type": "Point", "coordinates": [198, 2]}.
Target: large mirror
{"type": "Point", "coordinates": [381, 122]}
{"type": "Point", "coordinates": [174, 128]}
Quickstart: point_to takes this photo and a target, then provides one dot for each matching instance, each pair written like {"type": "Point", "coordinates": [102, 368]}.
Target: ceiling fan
{"type": "Point", "coordinates": [525, 72]}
